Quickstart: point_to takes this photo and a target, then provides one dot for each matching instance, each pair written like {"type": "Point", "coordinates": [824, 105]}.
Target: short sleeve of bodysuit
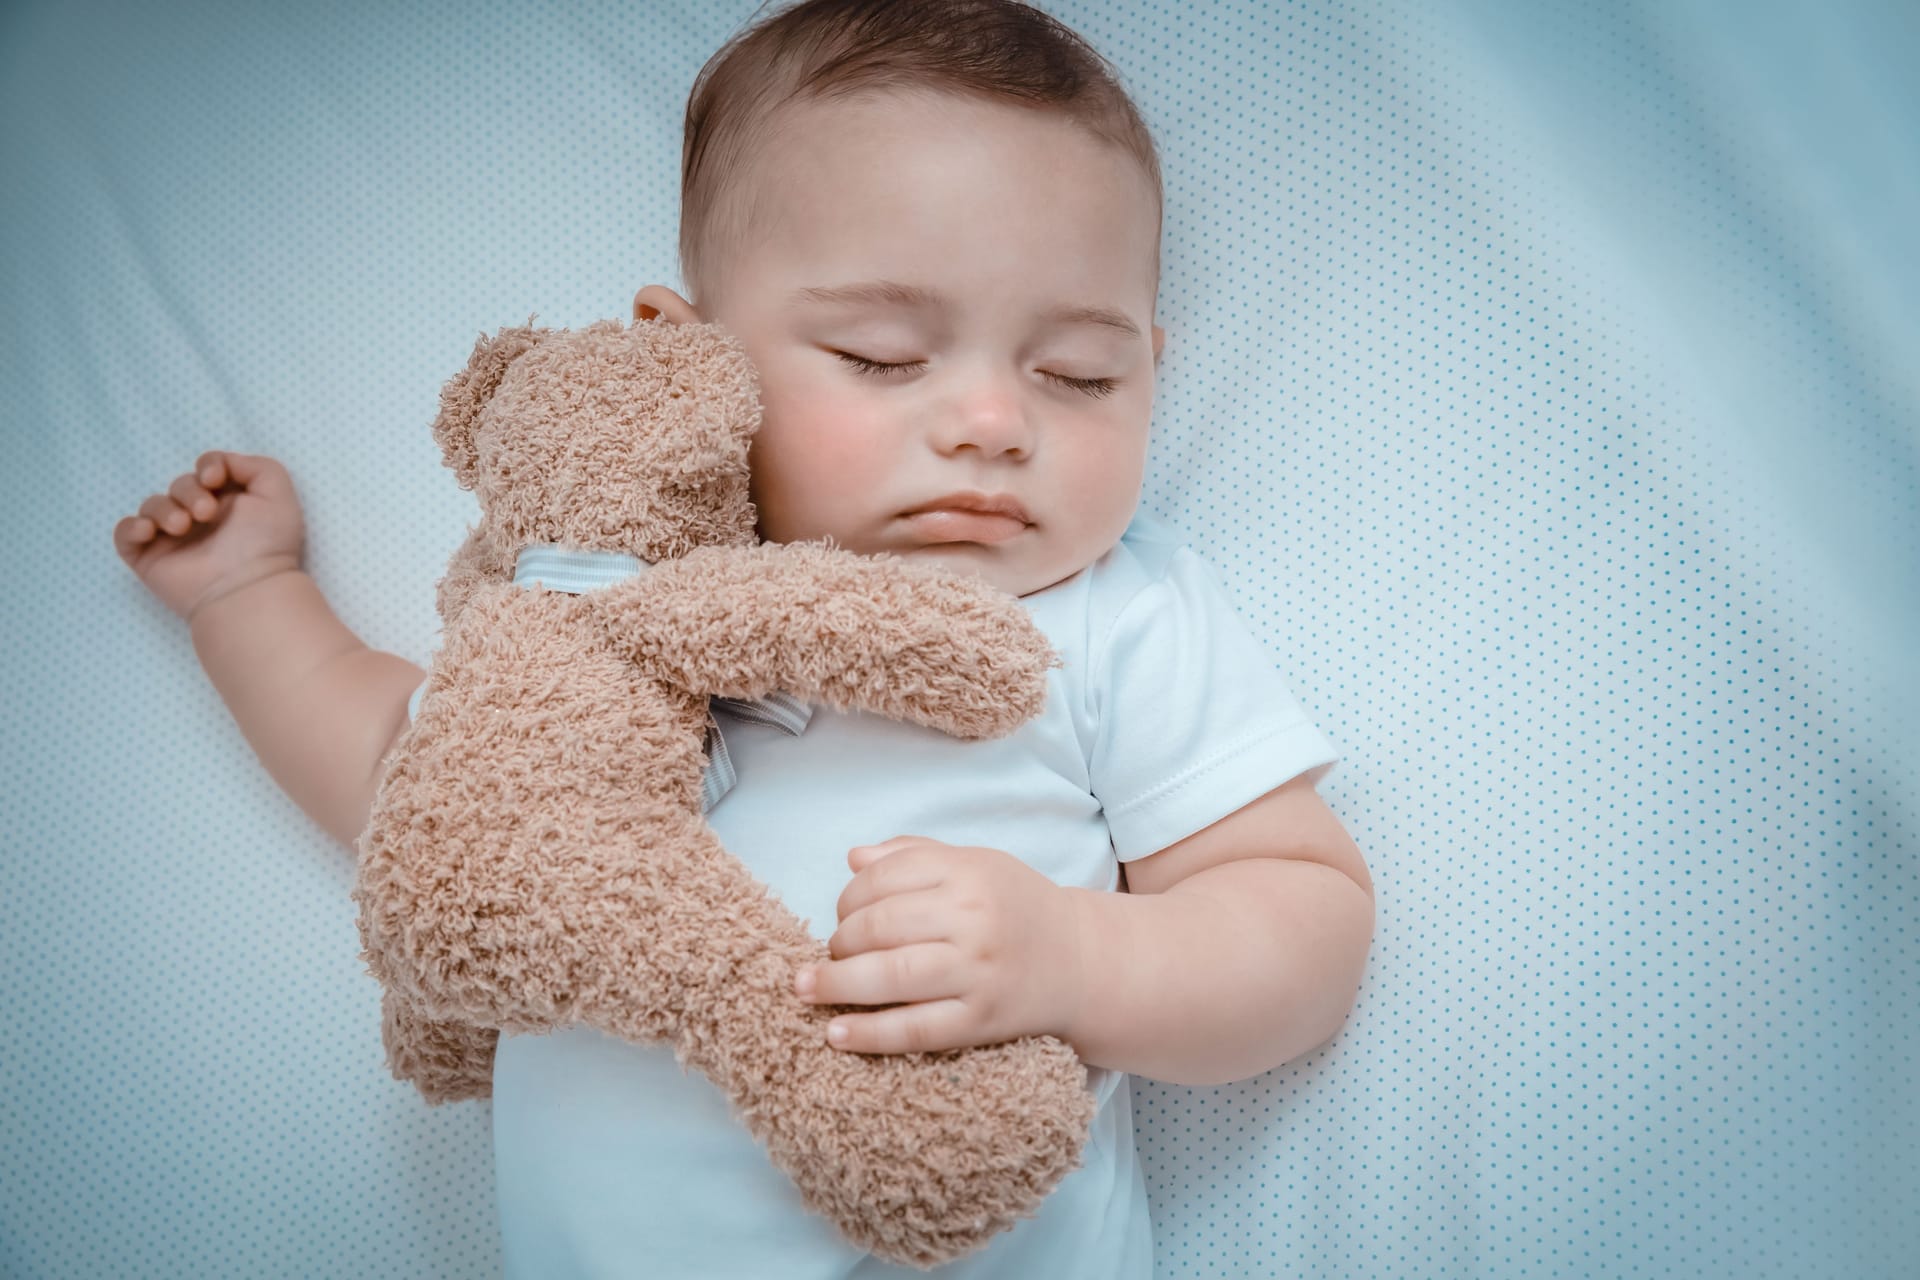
{"type": "Point", "coordinates": [1194, 719]}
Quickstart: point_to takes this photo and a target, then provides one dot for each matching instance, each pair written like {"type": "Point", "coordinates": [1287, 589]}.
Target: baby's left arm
{"type": "Point", "coordinates": [1234, 950]}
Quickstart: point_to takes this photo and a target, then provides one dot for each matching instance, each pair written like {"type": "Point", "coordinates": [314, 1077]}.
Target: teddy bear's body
{"type": "Point", "coordinates": [536, 856]}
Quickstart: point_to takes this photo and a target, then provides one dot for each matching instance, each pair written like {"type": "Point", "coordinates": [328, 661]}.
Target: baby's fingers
{"type": "Point", "coordinates": [166, 515]}
{"type": "Point", "coordinates": [256, 473]}
{"type": "Point", "coordinates": [211, 468]}
{"type": "Point", "coordinates": [198, 503]}
{"type": "Point", "coordinates": [174, 512]}
{"type": "Point", "coordinates": [131, 534]}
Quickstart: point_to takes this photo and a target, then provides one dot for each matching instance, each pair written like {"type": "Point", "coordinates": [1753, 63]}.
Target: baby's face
{"type": "Point", "coordinates": [952, 305]}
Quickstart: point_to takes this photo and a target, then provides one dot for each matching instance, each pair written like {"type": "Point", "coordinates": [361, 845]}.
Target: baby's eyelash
{"type": "Point", "coordinates": [877, 368]}
{"type": "Point", "coordinates": [863, 365]}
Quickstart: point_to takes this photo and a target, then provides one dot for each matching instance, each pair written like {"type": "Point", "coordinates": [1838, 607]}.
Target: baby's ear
{"type": "Point", "coordinates": [656, 301]}
{"type": "Point", "coordinates": [468, 392]}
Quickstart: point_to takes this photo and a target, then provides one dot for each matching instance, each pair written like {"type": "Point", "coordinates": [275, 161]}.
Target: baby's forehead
{"type": "Point", "coordinates": [847, 124]}
{"type": "Point", "coordinates": [807, 156]}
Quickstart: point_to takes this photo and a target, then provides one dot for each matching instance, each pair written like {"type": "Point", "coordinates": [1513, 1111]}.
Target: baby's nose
{"type": "Point", "coordinates": [990, 419]}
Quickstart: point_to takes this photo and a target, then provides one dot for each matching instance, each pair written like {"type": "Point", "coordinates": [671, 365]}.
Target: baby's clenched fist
{"type": "Point", "coordinates": [230, 521]}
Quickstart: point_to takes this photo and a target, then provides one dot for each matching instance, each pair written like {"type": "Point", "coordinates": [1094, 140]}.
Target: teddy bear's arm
{"type": "Point", "coordinates": [876, 634]}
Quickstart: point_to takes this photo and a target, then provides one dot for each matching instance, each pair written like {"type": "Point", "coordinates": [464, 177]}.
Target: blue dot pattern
{"type": "Point", "coordinates": [1540, 378]}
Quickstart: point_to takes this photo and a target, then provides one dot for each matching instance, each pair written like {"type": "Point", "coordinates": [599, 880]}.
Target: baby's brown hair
{"type": "Point", "coordinates": [999, 50]}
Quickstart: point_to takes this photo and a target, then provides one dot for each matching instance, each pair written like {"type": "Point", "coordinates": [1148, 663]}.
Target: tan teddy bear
{"type": "Point", "coordinates": [537, 856]}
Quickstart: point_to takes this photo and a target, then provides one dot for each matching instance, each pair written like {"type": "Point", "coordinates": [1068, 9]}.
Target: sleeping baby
{"type": "Point", "coordinates": [934, 228]}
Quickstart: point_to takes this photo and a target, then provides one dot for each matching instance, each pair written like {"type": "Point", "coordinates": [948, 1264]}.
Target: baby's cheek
{"type": "Point", "coordinates": [830, 443]}
{"type": "Point", "coordinates": [810, 473]}
{"type": "Point", "coordinates": [851, 454]}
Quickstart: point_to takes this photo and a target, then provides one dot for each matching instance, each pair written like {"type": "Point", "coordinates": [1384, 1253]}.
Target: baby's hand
{"type": "Point", "coordinates": [232, 520]}
{"type": "Point", "coordinates": [977, 946]}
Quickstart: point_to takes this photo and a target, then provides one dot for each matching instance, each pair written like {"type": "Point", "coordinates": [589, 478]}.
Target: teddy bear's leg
{"type": "Point", "coordinates": [446, 1061]}
{"type": "Point", "coordinates": [916, 1157]}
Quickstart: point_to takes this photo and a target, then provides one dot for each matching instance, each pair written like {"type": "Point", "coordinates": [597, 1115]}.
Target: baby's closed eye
{"type": "Point", "coordinates": [881, 368]}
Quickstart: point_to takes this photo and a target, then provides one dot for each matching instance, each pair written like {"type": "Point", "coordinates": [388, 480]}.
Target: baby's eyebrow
{"type": "Point", "coordinates": [892, 293]}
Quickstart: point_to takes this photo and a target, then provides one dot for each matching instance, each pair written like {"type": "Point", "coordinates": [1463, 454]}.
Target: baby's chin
{"type": "Point", "coordinates": [991, 564]}
{"type": "Point", "coordinates": [1019, 567]}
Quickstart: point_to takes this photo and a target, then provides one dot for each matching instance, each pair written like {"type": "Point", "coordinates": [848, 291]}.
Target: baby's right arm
{"type": "Point", "coordinates": [222, 549]}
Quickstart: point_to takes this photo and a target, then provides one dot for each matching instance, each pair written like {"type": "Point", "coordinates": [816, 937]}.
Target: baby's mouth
{"type": "Point", "coordinates": [969, 516]}
{"type": "Point", "coordinates": [954, 524]}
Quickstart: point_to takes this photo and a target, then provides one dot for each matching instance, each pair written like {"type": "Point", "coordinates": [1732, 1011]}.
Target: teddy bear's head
{"type": "Point", "coordinates": [606, 438]}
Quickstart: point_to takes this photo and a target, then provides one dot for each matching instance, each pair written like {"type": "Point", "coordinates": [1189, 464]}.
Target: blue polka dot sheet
{"type": "Point", "coordinates": [1540, 379]}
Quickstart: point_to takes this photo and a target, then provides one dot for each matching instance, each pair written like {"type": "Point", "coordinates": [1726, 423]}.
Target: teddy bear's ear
{"type": "Point", "coordinates": [468, 391]}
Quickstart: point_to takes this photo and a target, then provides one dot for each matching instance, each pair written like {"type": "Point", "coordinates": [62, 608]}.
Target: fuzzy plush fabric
{"type": "Point", "coordinates": [536, 856]}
